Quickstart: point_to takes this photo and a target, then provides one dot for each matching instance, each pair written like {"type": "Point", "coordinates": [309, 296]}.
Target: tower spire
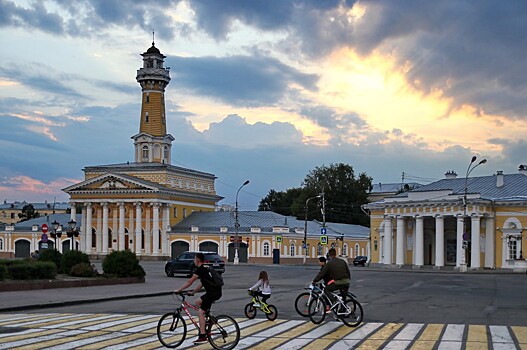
{"type": "Point", "coordinates": [153, 35]}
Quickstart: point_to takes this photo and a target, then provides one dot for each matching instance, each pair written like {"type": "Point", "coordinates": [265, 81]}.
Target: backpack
{"type": "Point", "coordinates": [216, 280]}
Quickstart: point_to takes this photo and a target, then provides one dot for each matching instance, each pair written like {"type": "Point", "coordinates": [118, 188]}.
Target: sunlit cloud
{"type": "Point", "coordinates": [26, 187]}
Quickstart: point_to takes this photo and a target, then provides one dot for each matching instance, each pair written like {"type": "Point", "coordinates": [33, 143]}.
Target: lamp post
{"type": "Point", "coordinates": [237, 225]}
{"type": "Point", "coordinates": [72, 233]}
{"type": "Point", "coordinates": [471, 167]}
{"type": "Point", "coordinates": [305, 228]}
{"type": "Point", "coordinates": [55, 234]}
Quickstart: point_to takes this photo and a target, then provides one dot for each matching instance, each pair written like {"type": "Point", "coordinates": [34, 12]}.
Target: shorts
{"type": "Point", "coordinates": [208, 298]}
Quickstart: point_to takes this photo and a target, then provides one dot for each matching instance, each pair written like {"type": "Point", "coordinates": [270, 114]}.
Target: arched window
{"type": "Point", "coordinates": [266, 247]}
{"type": "Point", "coordinates": [146, 117]}
{"type": "Point", "coordinates": [357, 249]}
{"type": "Point", "coordinates": [345, 249]}
{"type": "Point", "coordinates": [292, 249]}
{"type": "Point", "coordinates": [319, 249]}
{"type": "Point", "coordinates": [145, 152]}
{"type": "Point", "coordinates": [165, 152]}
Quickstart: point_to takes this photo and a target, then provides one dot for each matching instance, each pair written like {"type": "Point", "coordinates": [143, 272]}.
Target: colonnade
{"type": "Point", "coordinates": [145, 223]}
{"type": "Point", "coordinates": [417, 236]}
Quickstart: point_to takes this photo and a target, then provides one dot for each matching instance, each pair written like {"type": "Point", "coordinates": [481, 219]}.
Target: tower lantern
{"type": "Point", "coordinates": [153, 144]}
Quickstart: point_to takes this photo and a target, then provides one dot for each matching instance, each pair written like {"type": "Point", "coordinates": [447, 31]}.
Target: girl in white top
{"type": "Point", "coordinates": [262, 287]}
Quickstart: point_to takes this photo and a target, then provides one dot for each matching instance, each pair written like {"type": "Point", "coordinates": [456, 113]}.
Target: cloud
{"type": "Point", "coordinates": [25, 187]}
{"type": "Point", "coordinates": [249, 81]}
{"type": "Point", "coordinates": [34, 17]}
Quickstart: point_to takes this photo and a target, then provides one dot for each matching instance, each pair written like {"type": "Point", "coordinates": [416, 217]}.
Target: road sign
{"type": "Point", "coordinates": [465, 236]}
{"type": "Point", "coordinates": [323, 231]}
{"type": "Point", "coordinates": [44, 228]}
{"type": "Point", "coordinates": [44, 238]}
{"type": "Point", "coordinates": [323, 240]}
{"type": "Point", "coordinates": [44, 245]}
{"type": "Point", "coordinates": [278, 239]}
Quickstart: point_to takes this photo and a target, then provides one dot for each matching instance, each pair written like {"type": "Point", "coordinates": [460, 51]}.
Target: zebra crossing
{"type": "Point", "coordinates": [138, 331]}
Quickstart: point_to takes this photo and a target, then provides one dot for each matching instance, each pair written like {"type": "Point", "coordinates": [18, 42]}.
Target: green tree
{"type": "Point", "coordinates": [344, 193]}
{"type": "Point", "coordinates": [28, 212]}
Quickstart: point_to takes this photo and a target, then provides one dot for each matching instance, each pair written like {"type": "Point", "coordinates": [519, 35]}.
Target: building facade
{"type": "Point", "coordinates": [9, 212]}
{"type": "Point", "coordinates": [473, 222]}
{"type": "Point", "coordinates": [266, 237]}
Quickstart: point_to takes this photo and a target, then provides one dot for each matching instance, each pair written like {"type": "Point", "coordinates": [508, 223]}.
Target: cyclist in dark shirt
{"type": "Point", "coordinates": [337, 271]}
{"type": "Point", "coordinates": [212, 293]}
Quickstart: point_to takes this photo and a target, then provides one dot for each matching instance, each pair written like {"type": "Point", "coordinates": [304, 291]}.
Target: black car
{"type": "Point", "coordinates": [184, 263]}
{"type": "Point", "coordinates": [360, 260]}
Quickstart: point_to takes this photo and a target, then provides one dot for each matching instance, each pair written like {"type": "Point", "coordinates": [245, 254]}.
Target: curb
{"type": "Point", "coordinates": [83, 301]}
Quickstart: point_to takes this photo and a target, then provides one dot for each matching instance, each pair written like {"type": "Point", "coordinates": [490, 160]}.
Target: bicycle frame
{"type": "Point", "coordinates": [263, 306]}
{"type": "Point", "coordinates": [184, 306]}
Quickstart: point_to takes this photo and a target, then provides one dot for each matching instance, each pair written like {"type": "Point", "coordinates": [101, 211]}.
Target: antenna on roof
{"type": "Point", "coordinates": [153, 35]}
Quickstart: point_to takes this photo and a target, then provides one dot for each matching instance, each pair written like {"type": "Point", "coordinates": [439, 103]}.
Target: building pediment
{"type": "Point", "coordinates": [111, 182]}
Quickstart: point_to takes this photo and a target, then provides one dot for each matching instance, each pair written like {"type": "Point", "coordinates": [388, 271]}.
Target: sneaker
{"type": "Point", "coordinates": [328, 310]}
{"type": "Point", "coordinates": [256, 305]}
{"type": "Point", "coordinates": [201, 339]}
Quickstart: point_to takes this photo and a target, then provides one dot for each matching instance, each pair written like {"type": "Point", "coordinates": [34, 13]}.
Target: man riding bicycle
{"type": "Point", "coordinates": [212, 293]}
{"type": "Point", "coordinates": [336, 272]}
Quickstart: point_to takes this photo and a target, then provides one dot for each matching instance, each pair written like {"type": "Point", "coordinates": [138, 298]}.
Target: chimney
{"type": "Point", "coordinates": [451, 174]}
{"type": "Point", "coordinates": [522, 169]}
{"type": "Point", "coordinates": [499, 178]}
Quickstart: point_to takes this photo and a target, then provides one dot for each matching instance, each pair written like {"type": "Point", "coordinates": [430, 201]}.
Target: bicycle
{"type": "Point", "coordinates": [222, 331]}
{"type": "Point", "coordinates": [269, 310]}
{"type": "Point", "coordinates": [303, 299]}
{"type": "Point", "coordinates": [346, 308]}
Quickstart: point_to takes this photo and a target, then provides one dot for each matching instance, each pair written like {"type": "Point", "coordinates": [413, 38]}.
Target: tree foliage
{"type": "Point", "coordinates": [344, 193]}
{"type": "Point", "coordinates": [28, 212]}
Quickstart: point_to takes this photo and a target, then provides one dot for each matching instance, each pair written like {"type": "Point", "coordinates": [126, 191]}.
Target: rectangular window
{"type": "Point", "coordinates": [266, 249]}
{"type": "Point", "coordinates": [12, 215]}
{"type": "Point", "coordinates": [175, 212]}
{"type": "Point", "coordinates": [146, 117]}
{"type": "Point", "coordinates": [512, 249]}
{"type": "Point", "coordinates": [1, 244]}
{"type": "Point", "coordinates": [184, 212]}
{"type": "Point", "coordinates": [147, 98]}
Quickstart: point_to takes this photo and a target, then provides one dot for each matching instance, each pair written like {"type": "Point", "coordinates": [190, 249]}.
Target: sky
{"type": "Point", "coordinates": [263, 91]}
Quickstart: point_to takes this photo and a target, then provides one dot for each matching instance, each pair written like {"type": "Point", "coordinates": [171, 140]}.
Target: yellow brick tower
{"type": "Point", "coordinates": [153, 144]}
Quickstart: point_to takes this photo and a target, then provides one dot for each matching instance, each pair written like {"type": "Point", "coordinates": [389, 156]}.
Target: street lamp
{"type": "Point", "coordinates": [56, 233]}
{"type": "Point", "coordinates": [471, 167]}
{"type": "Point", "coordinates": [305, 228]}
{"type": "Point", "coordinates": [72, 233]}
{"type": "Point", "coordinates": [237, 225]}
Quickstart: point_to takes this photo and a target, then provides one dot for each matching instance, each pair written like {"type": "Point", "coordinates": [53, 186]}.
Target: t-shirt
{"type": "Point", "coordinates": [206, 279]}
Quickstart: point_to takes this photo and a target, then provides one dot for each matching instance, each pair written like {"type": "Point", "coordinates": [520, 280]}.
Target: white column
{"type": "Point", "coordinates": [89, 227]}
{"type": "Point", "coordinates": [120, 245]}
{"type": "Point", "coordinates": [490, 239]}
{"type": "Point", "coordinates": [148, 230]}
{"type": "Point", "coordinates": [98, 234]}
{"type": "Point", "coordinates": [114, 242]}
{"type": "Point", "coordinates": [459, 241]}
{"type": "Point", "coordinates": [82, 231]}
{"type": "Point", "coordinates": [475, 256]}
{"type": "Point", "coordinates": [387, 240]}
{"type": "Point", "coordinates": [73, 216]}
{"type": "Point", "coordinates": [419, 241]}
{"type": "Point", "coordinates": [104, 228]}
{"type": "Point", "coordinates": [131, 229]}
{"type": "Point", "coordinates": [155, 229]}
{"type": "Point", "coordinates": [138, 225]}
{"type": "Point", "coordinates": [399, 256]}
{"type": "Point", "coordinates": [440, 241]}
{"type": "Point", "coordinates": [164, 233]}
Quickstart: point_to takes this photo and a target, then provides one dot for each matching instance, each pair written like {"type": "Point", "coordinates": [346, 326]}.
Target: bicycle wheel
{"type": "Point", "coordinates": [223, 332]}
{"type": "Point", "coordinates": [317, 310]}
{"type": "Point", "coordinates": [273, 314]}
{"type": "Point", "coordinates": [171, 330]}
{"type": "Point", "coordinates": [302, 304]}
{"type": "Point", "coordinates": [353, 315]}
{"type": "Point", "coordinates": [250, 311]}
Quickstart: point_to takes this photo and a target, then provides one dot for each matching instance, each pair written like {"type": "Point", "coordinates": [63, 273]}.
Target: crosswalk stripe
{"type": "Point", "coordinates": [31, 341]}
{"type": "Point", "coordinates": [90, 340]}
{"type": "Point", "coordinates": [14, 317]}
{"type": "Point", "coordinates": [307, 338]}
{"type": "Point", "coordinates": [101, 326]}
{"type": "Point", "coordinates": [452, 338]}
{"type": "Point", "coordinates": [477, 338]}
{"type": "Point", "coordinates": [27, 318]}
{"type": "Point", "coordinates": [501, 338]}
{"type": "Point", "coordinates": [404, 338]}
{"type": "Point", "coordinates": [114, 341]}
{"type": "Point", "coordinates": [280, 339]}
{"type": "Point", "coordinates": [45, 321]}
{"type": "Point", "coordinates": [150, 322]}
{"type": "Point", "coordinates": [356, 336]}
{"type": "Point", "coordinates": [30, 333]}
{"type": "Point", "coordinates": [377, 339]}
{"type": "Point", "coordinates": [248, 342]}
{"type": "Point", "coordinates": [521, 335]}
{"type": "Point", "coordinates": [85, 322]}
{"type": "Point", "coordinates": [428, 338]}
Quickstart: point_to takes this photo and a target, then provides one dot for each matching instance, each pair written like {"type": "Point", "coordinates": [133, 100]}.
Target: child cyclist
{"type": "Point", "coordinates": [262, 287]}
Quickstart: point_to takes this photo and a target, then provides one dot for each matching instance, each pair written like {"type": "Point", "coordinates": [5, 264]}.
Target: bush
{"type": "Point", "coordinates": [51, 255]}
{"type": "Point", "coordinates": [122, 263]}
{"type": "Point", "coordinates": [20, 271]}
{"type": "Point", "coordinates": [72, 258]}
{"type": "Point", "coordinates": [43, 270]}
{"type": "Point", "coordinates": [3, 272]}
{"type": "Point", "coordinates": [9, 262]}
{"type": "Point", "coordinates": [82, 270]}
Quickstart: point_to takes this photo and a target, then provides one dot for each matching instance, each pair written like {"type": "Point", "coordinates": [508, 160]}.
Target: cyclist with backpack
{"type": "Point", "coordinates": [212, 282]}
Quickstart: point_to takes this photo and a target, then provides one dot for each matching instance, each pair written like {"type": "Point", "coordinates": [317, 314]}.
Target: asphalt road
{"type": "Point", "coordinates": [387, 296]}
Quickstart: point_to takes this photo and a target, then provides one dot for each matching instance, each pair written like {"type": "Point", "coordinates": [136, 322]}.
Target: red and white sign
{"type": "Point", "coordinates": [44, 228]}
